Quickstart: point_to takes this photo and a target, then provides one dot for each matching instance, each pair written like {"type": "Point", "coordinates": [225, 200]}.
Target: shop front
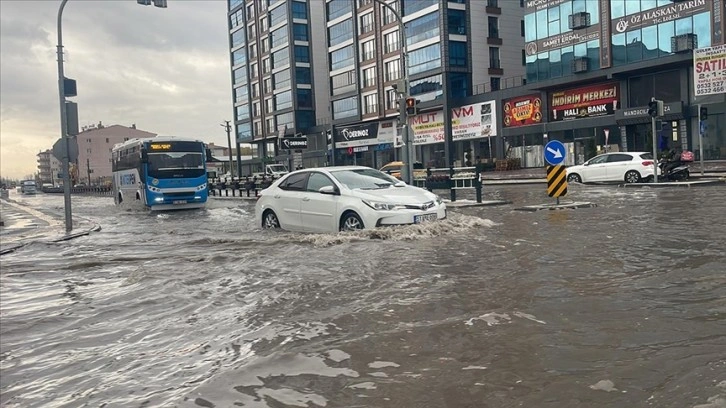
{"type": "Point", "coordinates": [369, 144]}
{"type": "Point", "coordinates": [636, 129]}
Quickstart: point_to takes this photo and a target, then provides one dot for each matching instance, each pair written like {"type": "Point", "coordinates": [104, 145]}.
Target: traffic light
{"type": "Point", "coordinates": [653, 108]}
{"type": "Point", "coordinates": [411, 106]}
{"type": "Point", "coordinates": [703, 114]}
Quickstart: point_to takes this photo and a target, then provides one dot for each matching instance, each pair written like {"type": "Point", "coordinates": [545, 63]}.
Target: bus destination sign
{"type": "Point", "coordinates": [160, 146]}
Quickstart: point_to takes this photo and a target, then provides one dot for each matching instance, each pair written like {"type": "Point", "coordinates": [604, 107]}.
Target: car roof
{"type": "Point", "coordinates": [331, 169]}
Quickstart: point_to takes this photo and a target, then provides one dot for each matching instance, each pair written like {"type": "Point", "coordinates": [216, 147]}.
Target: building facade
{"type": "Point", "coordinates": [451, 48]}
{"type": "Point", "coordinates": [592, 67]}
{"type": "Point", "coordinates": [277, 88]}
{"type": "Point", "coordinates": [94, 151]}
{"type": "Point", "coordinates": [49, 168]}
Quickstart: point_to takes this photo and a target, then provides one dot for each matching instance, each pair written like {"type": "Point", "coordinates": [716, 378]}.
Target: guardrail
{"type": "Point", "coordinates": [452, 179]}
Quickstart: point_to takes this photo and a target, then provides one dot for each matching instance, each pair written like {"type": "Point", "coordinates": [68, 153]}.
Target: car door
{"type": "Point", "coordinates": [618, 164]}
{"type": "Point", "coordinates": [595, 169]}
{"type": "Point", "coordinates": [319, 212]}
{"type": "Point", "coordinates": [286, 200]}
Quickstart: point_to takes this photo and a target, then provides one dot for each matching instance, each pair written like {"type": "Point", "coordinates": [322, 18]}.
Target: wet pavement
{"type": "Point", "coordinates": [621, 305]}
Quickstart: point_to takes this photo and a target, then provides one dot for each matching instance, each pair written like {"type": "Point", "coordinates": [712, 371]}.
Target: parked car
{"type": "Point", "coordinates": [394, 169]}
{"type": "Point", "coordinates": [331, 199]}
{"type": "Point", "coordinates": [630, 167]}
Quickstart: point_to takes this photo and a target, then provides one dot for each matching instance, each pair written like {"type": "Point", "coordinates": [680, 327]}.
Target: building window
{"type": "Point", "coordinates": [268, 85]}
{"type": "Point", "coordinates": [256, 110]}
{"type": "Point", "coordinates": [391, 99]}
{"type": "Point", "coordinates": [342, 83]}
{"type": "Point", "coordinates": [279, 36]}
{"type": "Point", "coordinates": [457, 22]}
{"type": "Point", "coordinates": [494, 61]}
{"type": "Point", "coordinates": [266, 66]}
{"type": "Point", "coordinates": [393, 70]}
{"type": "Point", "coordinates": [304, 119]}
{"type": "Point", "coordinates": [424, 59]}
{"type": "Point", "coordinates": [412, 6]}
{"type": "Point", "coordinates": [242, 112]}
{"type": "Point", "coordinates": [281, 58]}
{"type": "Point", "coordinates": [238, 38]}
{"type": "Point", "coordinates": [271, 125]}
{"type": "Point", "coordinates": [239, 57]}
{"type": "Point", "coordinates": [299, 10]}
{"type": "Point", "coordinates": [428, 89]}
{"type": "Point", "coordinates": [422, 28]}
{"type": "Point", "coordinates": [459, 85]}
{"type": "Point", "coordinates": [362, 3]}
{"type": "Point", "coordinates": [263, 25]}
{"type": "Point", "coordinates": [241, 95]}
{"type": "Point", "coordinates": [493, 3]}
{"type": "Point", "coordinates": [302, 53]}
{"type": "Point", "coordinates": [340, 32]}
{"type": "Point", "coordinates": [457, 54]}
{"type": "Point", "coordinates": [240, 76]}
{"type": "Point", "coordinates": [285, 120]}
{"type": "Point", "coordinates": [493, 27]}
{"type": "Point", "coordinates": [278, 15]}
{"type": "Point", "coordinates": [521, 27]}
{"type": "Point", "coordinates": [107, 140]}
{"type": "Point", "coordinates": [269, 105]}
{"type": "Point", "coordinates": [337, 8]}
{"type": "Point", "coordinates": [282, 79]}
{"type": "Point", "coordinates": [304, 98]}
{"type": "Point", "coordinates": [366, 23]}
{"type": "Point", "coordinates": [370, 104]}
{"type": "Point", "coordinates": [495, 83]}
{"type": "Point", "coordinates": [250, 9]}
{"type": "Point", "coordinates": [388, 16]}
{"type": "Point", "coordinates": [369, 50]}
{"type": "Point", "coordinates": [256, 90]}
{"type": "Point", "coordinates": [369, 77]}
{"type": "Point", "coordinates": [258, 128]}
{"type": "Point", "coordinates": [236, 18]}
{"type": "Point", "coordinates": [524, 58]}
{"type": "Point", "coordinates": [302, 75]}
{"type": "Point", "coordinates": [253, 51]}
{"type": "Point", "coordinates": [342, 58]}
{"type": "Point", "coordinates": [392, 41]}
{"type": "Point", "coordinates": [300, 32]}
{"type": "Point", "coordinates": [345, 108]}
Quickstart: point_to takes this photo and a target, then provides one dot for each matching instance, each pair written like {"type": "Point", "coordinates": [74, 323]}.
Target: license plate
{"type": "Point", "coordinates": [418, 219]}
{"type": "Point", "coordinates": [180, 202]}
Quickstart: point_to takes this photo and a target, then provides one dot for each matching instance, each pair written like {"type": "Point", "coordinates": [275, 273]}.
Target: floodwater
{"type": "Point", "coordinates": [621, 305]}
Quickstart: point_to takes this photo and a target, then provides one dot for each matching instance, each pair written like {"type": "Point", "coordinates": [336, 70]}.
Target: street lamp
{"type": "Point", "coordinates": [407, 153]}
{"type": "Point", "coordinates": [64, 124]}
{"type": "Point", "coordinates": [228, 128]}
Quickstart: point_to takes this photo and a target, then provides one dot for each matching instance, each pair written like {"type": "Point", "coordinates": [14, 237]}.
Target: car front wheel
{"type": "Point", "coordinates": [574, 178]}
{"type": "Point", "coordinates": [270, 221]}
{"type": "Point", "coordinates": [350, 222]}
{"type": "Point", "coordinates": [632, 177]}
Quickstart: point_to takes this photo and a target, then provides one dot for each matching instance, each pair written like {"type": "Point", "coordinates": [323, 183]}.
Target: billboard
{"type": "Point", "coordinates": [522, 111]}
{"type": "Point", "coordinates": [467, 122]}
{"type": "Point", "coordinates": [584, 102]}
{"type": "Point", "coordinates": [709, 70]}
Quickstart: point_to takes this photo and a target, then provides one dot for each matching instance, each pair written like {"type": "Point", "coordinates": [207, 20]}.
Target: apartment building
{"type": "Point", "coordinates": [277, 87]}
{"type": "Point", "coordinates": [452, 47]}
{"type": "Point", "coordinates": [94, 151]}
{"type": "Point", "coordinates": [49, 168]}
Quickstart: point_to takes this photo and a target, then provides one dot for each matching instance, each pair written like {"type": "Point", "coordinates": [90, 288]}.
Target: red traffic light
{"type": "Point", "coordinates": [410, 102]}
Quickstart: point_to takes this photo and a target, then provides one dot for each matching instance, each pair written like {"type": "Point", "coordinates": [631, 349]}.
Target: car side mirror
{"type": "Point", "coordinates": [144, 157]}
{"type": "Point", "coordinates": [330, 190]}
{"type": "Point", "coordinates": [587, 163]}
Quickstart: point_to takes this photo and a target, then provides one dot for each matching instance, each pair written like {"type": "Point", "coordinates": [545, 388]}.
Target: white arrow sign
{"type": "Point", "coordinates": [556, 152]}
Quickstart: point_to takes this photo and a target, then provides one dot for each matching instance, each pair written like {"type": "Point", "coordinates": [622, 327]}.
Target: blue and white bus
{"type": "Point", "coordinates": [160, 173]}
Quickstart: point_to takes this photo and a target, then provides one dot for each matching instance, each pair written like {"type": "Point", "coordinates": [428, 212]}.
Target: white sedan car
{"type": "Point", "coordinates": [630, 167]}
{"type": "Point", "coordinates": [331, 199]}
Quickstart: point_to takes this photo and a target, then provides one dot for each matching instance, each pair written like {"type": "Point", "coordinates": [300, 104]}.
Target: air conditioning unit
{"type": "Point", "coordinates": [580, 65]}
{"type": "Point", "coordinates": [579, 20]}
{"type": "Point", "coordinates": [684, 43]}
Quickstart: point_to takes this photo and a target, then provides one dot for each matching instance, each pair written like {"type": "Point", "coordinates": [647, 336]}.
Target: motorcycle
{"type": "Point", "coordinates": [675, 167]}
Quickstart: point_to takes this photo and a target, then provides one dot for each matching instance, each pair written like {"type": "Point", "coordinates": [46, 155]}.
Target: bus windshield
{"type": "Point", "coordinates": [176, 165]}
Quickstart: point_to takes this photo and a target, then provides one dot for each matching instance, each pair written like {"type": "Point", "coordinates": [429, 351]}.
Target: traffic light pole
{"type": "Point", "coordinates": [64, 135]}
{"type": "Point", "coordinates": [700, 137]}
{"type": "Point", "coordinates": [655, 150]}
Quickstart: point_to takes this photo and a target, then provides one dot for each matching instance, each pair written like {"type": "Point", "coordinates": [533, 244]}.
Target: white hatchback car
{"type": "Point", "coordinates": [331, 199]}
{"type": "Point", "coordinates": [630, 167]}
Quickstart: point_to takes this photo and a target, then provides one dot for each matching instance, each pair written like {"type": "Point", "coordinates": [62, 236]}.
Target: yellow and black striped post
{"type": "Point", "coordinates": [556, 181]}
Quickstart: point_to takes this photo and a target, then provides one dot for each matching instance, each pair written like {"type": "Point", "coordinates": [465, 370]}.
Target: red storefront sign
{"type": "Point", "coordinates": [585, 102]}
{"type": "Point", "coordinates": [522, 111]}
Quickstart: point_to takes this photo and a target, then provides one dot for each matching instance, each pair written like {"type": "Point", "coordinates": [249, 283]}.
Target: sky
{"type": "Point", "coordinates": [166, 70]}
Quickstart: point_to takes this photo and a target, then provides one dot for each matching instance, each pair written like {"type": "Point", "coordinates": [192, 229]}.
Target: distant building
{"type": "Point", "coordinates": [49, 168]}
{"type": "Point", "coordinates": [94, 150]}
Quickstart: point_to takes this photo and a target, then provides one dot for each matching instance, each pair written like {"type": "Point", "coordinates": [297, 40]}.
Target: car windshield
{"type": "Point", "coordinates": [364, 179]}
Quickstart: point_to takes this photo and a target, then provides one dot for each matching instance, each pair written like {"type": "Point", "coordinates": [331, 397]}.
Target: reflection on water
{"type": "Point", "coordinates": [618, 305]}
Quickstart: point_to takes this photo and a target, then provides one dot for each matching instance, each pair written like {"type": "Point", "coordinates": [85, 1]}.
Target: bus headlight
{"type": "Point", "coordinates": [154, 189]}
{"type": "Point", "coordinates": [159, 199]}
{"type": "Point", "coordinates": [202, 187]}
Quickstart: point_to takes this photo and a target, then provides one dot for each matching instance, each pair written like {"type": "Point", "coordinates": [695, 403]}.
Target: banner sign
{"type": "Point", "coordinates": [563, 40]}
{"type": "Point", "coordinates": [522, 111]}
{"type": "Point", "coordinates": [584, 102]}
{"type": "Point", "coordinates": [531, 6]}
{"type": "Point", "coordinates": [358, 135]}
{"type": "Point", "coordinates": [709, 70]}
{"type": "Point", "coordinates": [386, 132]}
{"type": "Point", "coordinates": [669, 12]}
{"type": "Point", "coordinates": [467, 122]}
{"type": "Point", "coordinates": [474, 121]}
{"type": "Point", "coordinates": [294, 143]}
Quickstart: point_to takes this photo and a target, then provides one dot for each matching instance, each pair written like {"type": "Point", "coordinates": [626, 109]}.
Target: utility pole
{"type": "Point", "coordinates": [88, 170]}
{"type": "Point", "coordinates": [228, 128]}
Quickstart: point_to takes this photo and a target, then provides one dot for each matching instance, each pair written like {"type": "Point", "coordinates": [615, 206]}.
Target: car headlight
{"type": "Point", "coordinates": [379, 206]}
{"type": "Point", "coordinates": [439, 201]}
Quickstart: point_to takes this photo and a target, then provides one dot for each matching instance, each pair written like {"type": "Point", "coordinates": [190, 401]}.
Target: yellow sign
{"type": "Point", "coordinates": [556, 181]}
{"type": "Point", "coordinates": [160, 146]}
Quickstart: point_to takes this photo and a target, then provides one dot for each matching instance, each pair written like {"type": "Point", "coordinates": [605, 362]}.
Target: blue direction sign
{"type": "Point", "coordinates": [554, 152]}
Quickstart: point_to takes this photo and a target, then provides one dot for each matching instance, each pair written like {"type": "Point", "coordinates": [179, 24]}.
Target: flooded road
{"type": "Point", "coordinates": [622, 305]}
